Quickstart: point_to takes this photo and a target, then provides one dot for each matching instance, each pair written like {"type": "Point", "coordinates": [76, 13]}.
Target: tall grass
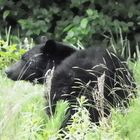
{"type": "Point", "coordinates": [23, 117]}
{"type": "Point", "coordinates": [21, 109]}
{"type": "Point", "coordinates": [22, 112]}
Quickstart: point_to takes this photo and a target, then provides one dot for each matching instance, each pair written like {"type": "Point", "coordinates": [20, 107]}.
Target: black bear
{"type": "Point", "coordinates": [75, 70]}
{"type": "Point", "coordinates": [78, 75]}
{"type": "Point", "coordinates": [34, 63]}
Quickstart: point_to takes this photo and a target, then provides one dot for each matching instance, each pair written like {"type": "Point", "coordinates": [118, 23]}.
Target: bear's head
{"type": "Point", "coordinates": [34, 63]}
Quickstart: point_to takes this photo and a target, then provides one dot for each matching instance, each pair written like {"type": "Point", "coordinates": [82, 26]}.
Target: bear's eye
{"type": "Point", "coordinates": [32, 61]}
{"type": "Point", "coordinates": [25, 57]}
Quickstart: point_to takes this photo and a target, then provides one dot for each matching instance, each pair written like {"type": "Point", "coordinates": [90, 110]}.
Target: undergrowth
{"type": "Point", "coordinates": [23, 117]}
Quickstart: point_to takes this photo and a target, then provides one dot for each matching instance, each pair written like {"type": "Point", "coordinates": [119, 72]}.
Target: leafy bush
{"type": "Point", "coordinates": [71, 20]}
{"type": "Point", "coordinates": [9, 53]}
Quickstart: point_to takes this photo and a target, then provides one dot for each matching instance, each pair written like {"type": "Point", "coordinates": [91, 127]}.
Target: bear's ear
{"type": "Point", "coordinates": [50, 46]}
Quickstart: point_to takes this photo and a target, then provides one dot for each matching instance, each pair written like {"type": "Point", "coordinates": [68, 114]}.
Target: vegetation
{"type": "Point", "coordinates": [86, 22]}
{"type": "Point", "coordinates": [91, 20]}
{"type": "Point", "coordinates": [11, 52]}
{"type": "Point", "coordinates": [22, 114]}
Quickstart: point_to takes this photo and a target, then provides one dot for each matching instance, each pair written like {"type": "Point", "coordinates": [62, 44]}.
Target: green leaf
{"type": "Point", "coordinates": [76, 20]}
{"type": "Point", "coordinates": [90, 12]}
{"type": "Point", "coordinates": [75, 3]}
{"type": "Point", "coordinates": [130, 14]}
{"type": "Point", "coordinates": [84, 23]}
{"type": "Point", "coordinates": [5, 14]}
{"type": "Point", "coordinates": [130, 24]}
{"type": "Point", "coordinates": [70, 33]}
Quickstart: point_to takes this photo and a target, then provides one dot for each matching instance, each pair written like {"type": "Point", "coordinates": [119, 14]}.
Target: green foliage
{"type": "Point", "coordinates": [9, 53]}
{"type": "Point", "coordinates": [135, 67]}
{"type": "Point", "coordinates": [81, 126]}
{"type": "Point", "coordinates": [21, 115]}
{"type": "Point", "coordinates": [54, 123]}
{"type": "Point", "coordinates": [128, 126]}
{"type": "Point", "coordinates": [35, 25]}
{"type": "Point", "coordinates": [70, 20]}
{"type": "Point", "coordinates": [22, 112]}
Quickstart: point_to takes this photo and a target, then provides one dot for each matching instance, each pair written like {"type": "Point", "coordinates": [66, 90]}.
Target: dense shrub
{"type": "Point", "coordinates": [10, 53]}
{"type": "Point", "coordinates": [71, 20]}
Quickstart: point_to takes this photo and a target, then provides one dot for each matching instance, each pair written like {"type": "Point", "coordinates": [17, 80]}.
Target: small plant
{"type": "Point", "coordinates": [81, 127]}
{"type": "Point", "coordinates": [127, 126]}
{"type": "Point", "coordinates": [54, 123]}
{"type": "Point", "coordinates": [9, 53]}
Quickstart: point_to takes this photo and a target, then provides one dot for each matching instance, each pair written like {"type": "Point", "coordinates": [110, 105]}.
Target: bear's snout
{"type": "Point", "coordinates": [8, 72]}
{"type": "Point", "coordinates": [14, 70]}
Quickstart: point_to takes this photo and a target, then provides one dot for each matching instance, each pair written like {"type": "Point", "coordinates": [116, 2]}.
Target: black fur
{"type": "Point", "coordinates": [86, 66]}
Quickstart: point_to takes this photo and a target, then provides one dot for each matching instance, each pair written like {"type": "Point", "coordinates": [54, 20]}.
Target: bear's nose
{"type": "Point", "coordinates": [7, 71]}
